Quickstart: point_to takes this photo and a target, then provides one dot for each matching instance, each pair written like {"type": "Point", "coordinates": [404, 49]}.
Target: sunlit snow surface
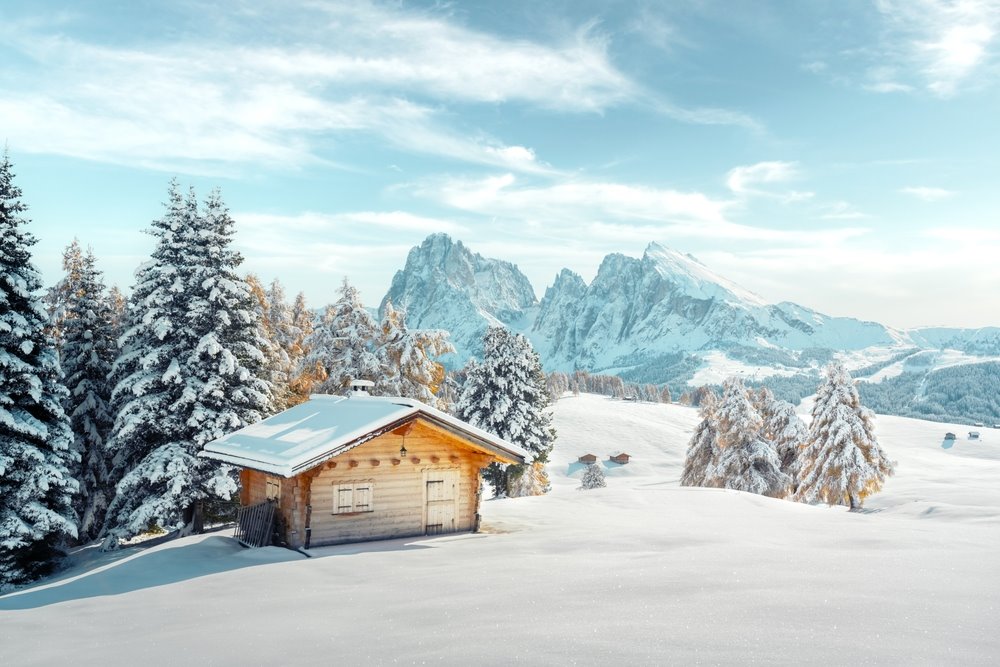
{"type": "Point", "coordinates": [641, 572]}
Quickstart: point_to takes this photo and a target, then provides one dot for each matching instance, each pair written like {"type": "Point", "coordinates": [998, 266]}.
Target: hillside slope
{"type": "Point", "coordinates": [643, 571]}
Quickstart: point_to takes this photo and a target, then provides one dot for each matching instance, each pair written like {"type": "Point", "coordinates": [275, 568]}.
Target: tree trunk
{"type": "Point", "coordinates": [198, 520]}
{"type": "Point", "coordinates": [194, 518]}
{"type": "Point", "coordinates": [855, 502]}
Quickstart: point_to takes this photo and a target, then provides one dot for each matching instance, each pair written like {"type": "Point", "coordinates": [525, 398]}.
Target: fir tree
{"type": "Point", "coordinates": [276, 362]}
{"type": "Point", "coordinates": [303, 377]}
{"type": "Point", "coordinates": [593, 478]}
{"type": "Point", "coordinates": [842, 462]}
{"type": "Point", "coordinates": [88, 352]}
{"type": "Point", "coordinates": [505, 395]}
{"type": "Point", "coordinates": [191, 370]}
{"type": "Point", "coordinates": [343, 343]}
{"type": "Point", "coordinates": [58, 296]}
{"type": "Point", "coordinates": [407, 359]}
{"type": "Point", "coordinates": [36, 452]}
{"type": "Point", "coordinates": [746, 461]}
{"type": "Point", "coordinates": [703, 447]}
{"type": "Point", "coordinates": [785, 429]}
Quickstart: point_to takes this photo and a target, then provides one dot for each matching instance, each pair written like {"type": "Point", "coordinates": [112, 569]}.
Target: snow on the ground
{"type": "Point", "coordinates": [718, 367]}
{"type": "Point", "coordinates": [641, 572]}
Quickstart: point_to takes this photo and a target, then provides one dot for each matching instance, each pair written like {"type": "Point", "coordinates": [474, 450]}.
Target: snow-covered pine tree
{"type": "Point", "coordinates": [147, 369]}
{"type": "Point", "coordinates": [665, 395]}
{"type": "Point", "coordinates": [505, 395]}
{"type": "Point", "coordinates": [192, 370]}
{"type": "Point", "coordinates": [88, 352]}
{"type": "Point", "coordinates": [302, 376]}
{"type": "Point", "coordinates": [785, 429]}
{"type": "Point", "coordinates": [842, 462]}
{"type": "Point", "coordinates": [58, 296]}
{"type": "Point", "coordinates": [287, 337]}
{"type": "Point", "coordinates": [117, 303]}
{"type": "Point", "coordinates": [703, 448]}
{"type": "Point", "coordinates": [593, 478]}
{"type": "Point", "coordinates": [407, 358]}
{"type": "Point", "coordinates": [343, 343]}
{"type": "Point", "coordinates": [276, 363]}
{"type": "Point", "coordinates": [746, 461]}
{"type": "Point", "coordinates": [36, 452]}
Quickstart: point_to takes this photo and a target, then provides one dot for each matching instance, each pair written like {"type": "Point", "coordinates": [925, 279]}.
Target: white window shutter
{"type": "Point", "coordinates": [363, 497]}
{"type": "Point", "coordinates": [343, 498]}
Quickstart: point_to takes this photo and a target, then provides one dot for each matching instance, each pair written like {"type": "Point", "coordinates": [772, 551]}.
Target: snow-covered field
{"type": "Point", "coordinates": [642, 572]}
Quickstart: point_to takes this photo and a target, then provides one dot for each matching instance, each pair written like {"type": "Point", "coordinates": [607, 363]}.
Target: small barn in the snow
{"type": "Point", "coordinates": [619, 457]}
{"type": "Point", "coordinates": [588, 459]}
{"type": "Point", "coordinates": [360, 467]}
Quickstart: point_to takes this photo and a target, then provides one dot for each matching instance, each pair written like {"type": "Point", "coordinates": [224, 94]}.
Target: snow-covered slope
{"type": "Point", "coordinates": [641, 572]}
{"type": "Point", "coordinates": [444, 285]}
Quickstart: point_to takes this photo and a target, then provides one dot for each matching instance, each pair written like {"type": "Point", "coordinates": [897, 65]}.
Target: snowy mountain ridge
{"type": "Point", "coordinates": [661, 317]}
{"type": "Point", "coordinates": [444, 285]}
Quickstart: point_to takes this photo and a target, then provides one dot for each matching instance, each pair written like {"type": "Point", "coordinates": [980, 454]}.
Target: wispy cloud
{"type": "Point", "coordinates": [320, 74]}
{"type": "Point", "coordinates": [175, 105]}
{"type": "Point", "coordinates": [928, 194]}
{"type": "Point", "coordinates": [941, 43]}
{"type": "Point", "coordinates": [608, 211]}
{"type": "Point", "coordinates": [758, 180]}
{"type": "Point", "coordinates": [311, 221]}
{"type": "Point", "coordinates": [841, 210]}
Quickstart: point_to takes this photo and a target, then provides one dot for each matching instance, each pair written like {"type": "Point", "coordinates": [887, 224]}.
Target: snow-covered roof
{"type": "Point", "coordinates": [308, 434]}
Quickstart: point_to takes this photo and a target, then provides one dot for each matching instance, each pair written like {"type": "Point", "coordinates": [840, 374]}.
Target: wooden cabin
{"type": "Point", "coordinates": [588, 459]}
{"type": "Point", "coordinates": [620, 457]}
{"type": "Point", "coordinates": [357, 468]}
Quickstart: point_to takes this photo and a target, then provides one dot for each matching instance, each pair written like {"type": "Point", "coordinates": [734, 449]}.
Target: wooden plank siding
{"type": "Point", "coordinates": [399, 494]}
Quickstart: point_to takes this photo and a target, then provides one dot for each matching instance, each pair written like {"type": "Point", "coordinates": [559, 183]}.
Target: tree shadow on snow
{"type": "Point", "coordinates": [168, 563]}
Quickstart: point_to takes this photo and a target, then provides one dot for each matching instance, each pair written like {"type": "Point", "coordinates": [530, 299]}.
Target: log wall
{"type": "Point", "coordinates": [399, 486]}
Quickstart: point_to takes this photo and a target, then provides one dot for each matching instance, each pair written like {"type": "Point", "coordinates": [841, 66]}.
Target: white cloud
{"type": "Point", "coordinates": [607, 211]}
{"type": "Point", "coordinates": [841, 210]}
{"type": "Point", "coordinates": [311, 221]}
{"type": "Point", "coordinates": [928, 194]}
{"type": "Point", "coordinates": [964, 235]}
{"type": "Point", "coordinates": [742, 180]}
{"type": "Point", "coordinates": [756, 179]}
{"type": "Point", "coordinates": [322, 70]}
{"type": "Point", "coordinates": [940, 42]}
{"type": "Point", "coordinates": [190, 105]}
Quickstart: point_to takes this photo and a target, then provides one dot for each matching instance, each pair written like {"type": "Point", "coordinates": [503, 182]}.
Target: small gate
{"type": "Point", "coordinates": [255, 524]}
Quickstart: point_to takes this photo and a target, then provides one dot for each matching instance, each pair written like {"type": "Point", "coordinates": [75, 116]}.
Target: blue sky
{"type": "Point", "coordinates": [843, 154]}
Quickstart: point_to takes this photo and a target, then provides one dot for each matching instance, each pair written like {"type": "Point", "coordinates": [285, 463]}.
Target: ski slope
{"type": "Point", "coordinates": [641, 572]}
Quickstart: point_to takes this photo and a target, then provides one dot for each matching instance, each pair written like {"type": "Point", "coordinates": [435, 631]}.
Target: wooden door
{"type": "Point", "coordinates": [441, 507]}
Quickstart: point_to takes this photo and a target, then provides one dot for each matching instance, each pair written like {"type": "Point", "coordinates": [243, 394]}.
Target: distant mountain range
{"type": "Point", "coordinates": [663, 318]}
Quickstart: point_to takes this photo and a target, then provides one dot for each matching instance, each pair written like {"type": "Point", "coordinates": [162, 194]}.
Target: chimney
{"type": "Point", "coordinates": [361, 387]}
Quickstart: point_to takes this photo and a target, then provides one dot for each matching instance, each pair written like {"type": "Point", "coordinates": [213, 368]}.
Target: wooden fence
{"type": "Point", "coordinates": [255, 524]}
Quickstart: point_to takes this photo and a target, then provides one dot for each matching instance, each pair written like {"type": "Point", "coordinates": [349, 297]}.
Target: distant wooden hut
{"type": "Point", "coordinates": [949, 436]}
{"type": "Point", "coordinates": [358, 468]}
{"type": "Point", "coordinates": [973, 435]}
{"type": "Point", "coordinates": [621, 458]}
{"type": "Point", "coordinates": [588, 459]}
